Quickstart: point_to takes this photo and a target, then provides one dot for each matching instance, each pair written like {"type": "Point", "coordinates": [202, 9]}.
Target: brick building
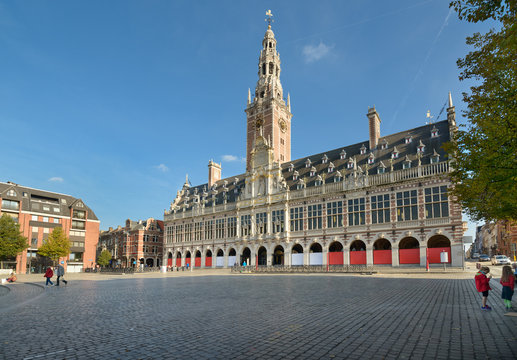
{"type": "Point", "coordinates": [38, 212]}
{"type": "Point", "coordinates": [137, 243]}
{"type": "Point", "coordinates": [507, 239]}
{"type": "Point", "coordinates": [383, 201]}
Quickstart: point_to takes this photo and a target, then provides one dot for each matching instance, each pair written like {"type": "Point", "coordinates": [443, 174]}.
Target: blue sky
{"type": "Point", "coordinates": [115, 101]}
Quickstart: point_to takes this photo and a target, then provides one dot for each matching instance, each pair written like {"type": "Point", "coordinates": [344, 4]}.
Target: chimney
{"type": "Point", "coordinates": [214, 173]}
{"type": "Point", "coordinates": [374, 124]}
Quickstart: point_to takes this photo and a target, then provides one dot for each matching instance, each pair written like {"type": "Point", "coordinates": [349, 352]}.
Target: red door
{"type": "Point", "coordinates": [409, 256]}
{"type": "Point", "coordinates": [208, 261]}
{"type": "Point", "coordinates": [336, 258]}
{"type": "Point", "coordinates": [169, 262]}
{"type": "Point", "coordinates": [357, 257]}
{"type": "Point", "coordinates": [197, 263]}
{"type": "Point", "coordinates": [178, 262]}
{"type": "Point", "coordinates": [382, 257]}
{"type": "Point", "coordinates": [187, 261]}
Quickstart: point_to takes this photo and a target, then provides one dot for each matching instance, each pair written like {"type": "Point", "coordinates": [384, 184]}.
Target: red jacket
{"type": "Point", "coordinates": [482, 282]}
{"type": "Point", "coordinates": [510, 283]}
{"type": "Point", "coordinates": [49, 273]}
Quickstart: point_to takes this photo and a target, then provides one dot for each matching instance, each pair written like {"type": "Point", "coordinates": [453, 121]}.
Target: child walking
{"type": "Point", "coordinates": [483, 286]}
{"type": "Point", "coordinates": [508, 282]}
{"type": "Point", "coordinates": [48, 274]}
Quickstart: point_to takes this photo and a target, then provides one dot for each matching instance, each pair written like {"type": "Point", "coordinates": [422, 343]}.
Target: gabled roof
{"type": "Point", "coordinates": [419, 135]}
{"type": "Point", "coordinates": [33, 199]}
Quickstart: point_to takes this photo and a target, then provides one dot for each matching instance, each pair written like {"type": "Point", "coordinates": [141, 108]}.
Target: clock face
{"type": "Point", "coordinates": [283, 125]}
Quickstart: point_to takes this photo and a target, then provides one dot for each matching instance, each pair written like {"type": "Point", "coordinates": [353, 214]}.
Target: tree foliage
{"type": "Point", "coordinates": [11, 240]}
{"type": "Point", "coordinates": [485, 161]}
{"type": "Point", "coordinates": [56, 246]}
{"type": "Point", "coordinates": [104, 258]}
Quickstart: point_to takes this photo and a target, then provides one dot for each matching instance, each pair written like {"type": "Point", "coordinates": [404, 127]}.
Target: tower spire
{"type": "Point", "coordinates": [451, 112]}
{"type": "Point", "coordinates": [268, 114]}
{"type": "Point", "coordinates": [269, 20]}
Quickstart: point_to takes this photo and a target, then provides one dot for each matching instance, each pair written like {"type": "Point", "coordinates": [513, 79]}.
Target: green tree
{"type": "Point", "coordinates": [11, 240]}
{"type": "Point", "coordinates": [485, 150]}
{"type": "Point", "coordinates": [56, 246]}
{"type": "Point", "coordinates": [104, 258]}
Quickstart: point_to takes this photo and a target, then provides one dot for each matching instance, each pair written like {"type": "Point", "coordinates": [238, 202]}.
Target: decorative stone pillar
{"type": "Point", "coordinates": [369, 254]}
{"type": "Point", "coordinates": [423, 254]}
{"type": "Point", "coordinates": [395, 261]}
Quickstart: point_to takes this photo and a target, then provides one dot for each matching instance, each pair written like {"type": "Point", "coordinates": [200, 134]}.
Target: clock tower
{"type": "Point", "coordinates": [269, 114]}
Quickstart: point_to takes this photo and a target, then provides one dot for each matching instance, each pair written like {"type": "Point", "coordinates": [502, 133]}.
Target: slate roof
{"type": "Point", "coordinates": [407, 151]}
{"type": "Point", "coordinates": [33, 199]}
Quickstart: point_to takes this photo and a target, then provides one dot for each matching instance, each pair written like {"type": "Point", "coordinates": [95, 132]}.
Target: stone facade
{"type": "Point", "coordinates": [381, 202]}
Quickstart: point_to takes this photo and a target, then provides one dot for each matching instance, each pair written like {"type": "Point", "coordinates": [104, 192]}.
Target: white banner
{"type": "Point", "coordinates": [231, 261]}
{"type": "Point", "coordinates": [316, 259]}
{"type": "Point", "coordinates": [296, 259]}
{"type": "Point", "coordinates": [219, 261]}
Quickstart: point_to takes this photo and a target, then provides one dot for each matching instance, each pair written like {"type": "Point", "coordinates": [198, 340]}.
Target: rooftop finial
{"type": "Point", "coordinates": [269, 20]}
{"type": "Point", "coordinates": [450, 99]}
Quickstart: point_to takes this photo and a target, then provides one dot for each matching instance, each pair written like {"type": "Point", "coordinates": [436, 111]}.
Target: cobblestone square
{"type": "Point", "coordinates": [255, 317]}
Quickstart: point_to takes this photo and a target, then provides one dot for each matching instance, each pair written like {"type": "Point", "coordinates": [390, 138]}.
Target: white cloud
{"type": "Point", "coordinates": [314, 53]}
{"type": "Point", "coordinates": [229, 158]}
{"type": "Point", "coordinates": [162, 167]}
{"type": "Point", "coordinates": [56, 179]}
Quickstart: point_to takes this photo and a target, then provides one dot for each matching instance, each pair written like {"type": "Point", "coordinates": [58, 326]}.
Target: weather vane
{"type": "Point", "coordinates": [269, 16]}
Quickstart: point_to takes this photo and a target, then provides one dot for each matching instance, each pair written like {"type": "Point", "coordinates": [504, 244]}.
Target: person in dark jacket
{"type": "Point", "coordinates": [60, 272]}
{"type": "Point", "coordinates": [48, 274]}
{"type": "Point", "coordinates": [483, 285]}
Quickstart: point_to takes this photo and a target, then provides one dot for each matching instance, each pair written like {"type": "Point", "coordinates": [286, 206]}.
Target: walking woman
{"type": "Point", "coordinates": [48, 274]}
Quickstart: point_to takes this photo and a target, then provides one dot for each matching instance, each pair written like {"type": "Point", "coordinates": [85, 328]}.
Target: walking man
{"type": "Point", "coordinates": [60, 273]}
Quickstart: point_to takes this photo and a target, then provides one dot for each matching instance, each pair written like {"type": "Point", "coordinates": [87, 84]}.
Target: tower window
{"type": "Point", "coordinates": [271, 68]}
{"type": "Point", "coordinates": [264, 69]}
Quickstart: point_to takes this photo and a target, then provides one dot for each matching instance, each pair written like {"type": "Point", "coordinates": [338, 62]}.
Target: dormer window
{"type": "Point", "coordinates": [324, 159]}
{"type": "Point", "coordinates": [408, 139]}
{"type": "Point", "coordinates": [308, 163]}
{"type": "Point", "coordinates": [384, 144]}
{"type": "Point", "coordinates": [342, 154]}
{"type": "Point", "coordinates": [363, 150]}
{"type": "Point", "coordinates": [331, 167]}
{"type": "Point", "coordinates": [395, 153]}
{"type": "Point", "coordinates": [313, 171]}
{"type": "Point", "coordinates": [291, 167]}
{"type": "Point", "coordinates": [338, 177]}
{"type": "Point", "coordinates": [407, 163]}
{"type": "Point", "coordinates": [434, 132]}
{"type": "Point", "coordinates": [381, 169]}
{"type": "Point", "coordinates": [300, 185]}
{"type": "Point", "coordinates": [235, 181]}
{"type": "Point", "coordinates": [295, 175]}
{"type": "Point", "coordinates": [318, 181]}
{"type": "Point", "coordinates": [350, 164]}
{"type": "Point", "coordinates": [435, 158]}
{"type": "Point", "coordinates": [420, 148]}
{"type": "Point", "coordinates": [371, 159]}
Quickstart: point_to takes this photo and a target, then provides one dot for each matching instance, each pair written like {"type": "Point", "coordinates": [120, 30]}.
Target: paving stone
{"type": "Point", "coordinates": [255, 317]}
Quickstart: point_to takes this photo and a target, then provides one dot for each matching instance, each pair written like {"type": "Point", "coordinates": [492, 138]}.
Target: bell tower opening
{"type": "Point", "coordinates": [269, 113]}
